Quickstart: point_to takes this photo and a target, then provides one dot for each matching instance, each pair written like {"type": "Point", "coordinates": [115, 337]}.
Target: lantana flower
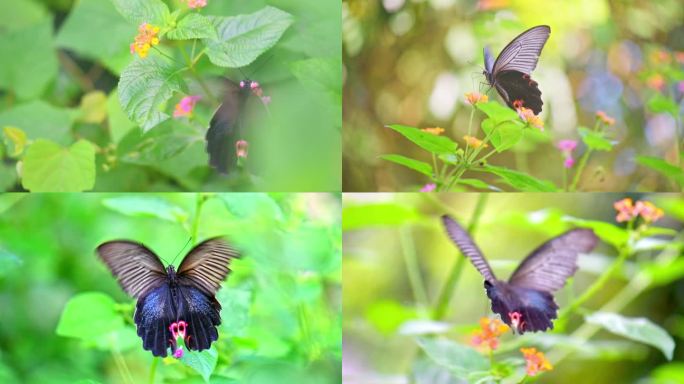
{"type": "Point", "coordinates": [535, 361]}
{"type": "Point", "coordinates": [656, 81]}
{"type": "Point", "coordinates": [628, 210]}
{"type": "Point", "coordinates": [428, 187]}
{"type": "Point", "coordinates": [435, 131]}
{"type": "Point", "coordinates": [178, 332]}
{"type": "Point", "coordinates": [256, 89]}
{"type": "Point", "coordinates": [528, 116]}
{"type": "Point", "coordinates": [607, 120]}
{"type": "Point", "coordinates": [475, 97]}
{"type": "Point", "coordinates": [241, 147]}
{"type": "Point", "coordinates": [566, 147]}
{"type": "Point", "coordinates": [146, 39]}
{"type": "Point", "coordinates": [474, 142]}
{"type": "Point", "coordinates": [649, 212]}
{"type": "Point", "coordinates": [197, 3]}
{"type": "Point", "coordinates": [185, 107]}
{"type": "Point", "coordinates": [490, 330]}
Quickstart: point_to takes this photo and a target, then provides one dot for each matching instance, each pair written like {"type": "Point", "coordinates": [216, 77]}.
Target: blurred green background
{"type": "Point", "coordinates": [281, 316]}
{"type": "Point", "coordinates": [58, 77]}
{"type": "Point", "coordinates": [411, 62]}
{"type": "Point", "coordinates": [397, 257]}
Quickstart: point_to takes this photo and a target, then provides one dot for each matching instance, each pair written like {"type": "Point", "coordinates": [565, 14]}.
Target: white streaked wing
{"type": "Point", "coordinates": [522, 53]}
{"type": "Point", "coordinates": [206, 265]}
{"type": "Point", "coordinates": [549, 266]}
{"type": "Point", "coordinates": [467, 246]}
{"type": "Point", "coordinates": [137, 269]}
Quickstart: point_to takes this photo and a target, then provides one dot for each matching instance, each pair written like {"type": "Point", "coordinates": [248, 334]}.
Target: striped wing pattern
{"type": "Point", "coordinates": [549, 266]}
{"type": "Point", "coordinates": [206, 265]}
{"type": "Point", "coordinates": [467, 246]}
{"type": "Point", "coordinates": [137, 268]}
{"type": "Point", "coordinates": [522, 53]}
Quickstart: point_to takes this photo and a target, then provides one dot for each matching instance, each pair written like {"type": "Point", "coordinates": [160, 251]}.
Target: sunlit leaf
{"type": "Point", "coordinates": [143, 11]}
{"type": "Point", "coordinates": [638, 329]}
{"type": "Point", "coordinates": [497, 112]}
{"type": "Point", "coordinates": [241, 39]}
{"type": "Point", "coordinates": [93, 107]}
{"type": "Point", "coordinates": [88, 315]}
{"type": "Point", "coordinates": [18, 139]}
{"type": "Point", "coordinates": [252, 205]}
{"type": "Point", "coordinates": [659, 103]}
{"type": "Point", "coordinates": [49, 167]}
{"type": "Point", "coordinates": [387, 315]}
{"type": "Point", "coordinates": [416, 165]}
{"type": "Point", "coordinates": [459, 358]}
{"type": "Point", "coordinates": [663, 167]}
{"type": "Point", "coordinates": [377, 215]}
{"type": "Point", "coordinates": [193, 26]}
{"type": "Point", "coordinates": [519, 180]}
{"type": "Point", "coordinates": [146, 206]}
{"type": "Point", "coordinates": [432, 143]}
{"type": "Point", "coordinates": [203, 362]}
{"type": "Point", "coordinates": [595, 140]}
{"type": "Point", "coordinates": [504, 135]}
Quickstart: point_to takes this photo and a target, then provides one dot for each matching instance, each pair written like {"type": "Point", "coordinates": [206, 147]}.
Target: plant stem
{"type": "Point", "coordinates": [408, 250]}
{"type": "Point", "coordinates": [200, 199]}
{"type": "Point", "coordinates": [153, 369]}
{"type": "Point", "coordinates": [122, 366]}
{"type": "Point", "coordinates": [565, 179]}
{"type": "Point", "coordinates": [448, 290]}
{"type": "Point", "coordinates": [580, 169]}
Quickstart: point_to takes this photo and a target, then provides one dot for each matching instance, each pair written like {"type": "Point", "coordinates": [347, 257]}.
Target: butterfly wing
{"type": "Point", "coordinates": [154, 313]}
{"type": "Point", "coordinates": [224, 130]}
{"type": "Point", "coordinates": [513, 85]}
{"type": "Point", "coordinates": [549, 266]}
{"type": "Point", "coordinates": [522, 53]}
{"type": "Point", "coordinates": [206, 265]}
{"type": "Point", "coordinates": [137, 268]}
{"type": "Point", "coordinates": [202, 314]}
{"type": "Point", "coordinates": [467, 246]}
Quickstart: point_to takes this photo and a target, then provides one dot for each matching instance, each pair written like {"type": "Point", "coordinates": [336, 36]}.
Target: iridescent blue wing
{"type": "Point", "coordinates": [154, 313]}
{"type": "Point", "coordinates": [549, 266]}
{"type": "Point", "coordinates": [467, 246]}
{"type": "Point", "coordinates": [202, 314]}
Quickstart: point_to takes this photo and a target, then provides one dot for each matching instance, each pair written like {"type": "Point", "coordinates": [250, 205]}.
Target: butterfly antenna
{"type": "Point", "coordinates": [182, 249]}
{"type": "Point", "coordinates": [261, 65]}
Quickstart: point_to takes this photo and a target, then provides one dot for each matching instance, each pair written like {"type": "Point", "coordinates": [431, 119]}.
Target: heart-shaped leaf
{"type": "Point", "coordinates": [49, 167]}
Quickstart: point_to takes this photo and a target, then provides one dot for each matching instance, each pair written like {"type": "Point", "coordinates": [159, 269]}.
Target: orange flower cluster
{"type": "Point", "coordinates": [607, 120]}
{"type": "Point", "coordinates": [536, 361]}
{"type": "Point", "coordinates": [528, 116]}
{"type": "Point", "coordinates": [474, 142]}
{"type": "Point", "coordinates": [490, 330]}
{"type": "Point", "coordinates": [435, 131]}
{"type": "Point", "coordinates": [627, 211]}
{"type": "Point", "coordinates": [146, 39]}
{"type": "Point", "coordinates": [476, 97]}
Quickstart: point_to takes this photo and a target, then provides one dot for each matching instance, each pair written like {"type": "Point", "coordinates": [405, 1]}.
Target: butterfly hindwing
{"type": "Point", "coordinates": [468, 247]}
{"type": "Point", "coordinates": [137, 268]}
{"type": "Point", "coordinates": [202, 313]}
{"type": "Point", "coordinates": [224, 129]}
{"type": "Point", "coordinates": [154, 313]}
{"type": "Point", "coordinates": [516, 86]}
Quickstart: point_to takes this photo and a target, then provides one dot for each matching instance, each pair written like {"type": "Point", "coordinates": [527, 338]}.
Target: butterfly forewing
{"type": "Point", "coordinates": [522, 53]}
{"type": "Point", "coordinates": [206, 265]}
{"type": "Point", "coordinates": [137, 269]}
{"type": "Point", "coordinates": [549, 266]}
{"type": "Point", "coordinates": [467, 246]}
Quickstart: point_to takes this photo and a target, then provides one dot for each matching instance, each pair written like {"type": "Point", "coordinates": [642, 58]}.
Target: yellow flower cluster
{"type": "Point", "coordinates": [146, 39]}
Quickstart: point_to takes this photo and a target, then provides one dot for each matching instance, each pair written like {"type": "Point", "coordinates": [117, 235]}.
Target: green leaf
{"type": "Point", "coordinates": [637, 329]}
{"type": "Point", "coordinates": [477, 183]}
{"type": "Point", "coordinates": [609, 233]}
{"type": "Point", "coordinates": [145, 86]}
{"type": "Point", "coordinates": [520, 181]}
{"type": "Point", "coordinates": [49, 167]}
{"type": "Point", "coordinates": [93, 107]}
{"type": "Point", "coordinates": [322, 74]}
{"type": "Point", "coordinates": [432, 143]}
{"type": "Point", "coordinates": [595, 140]}
{"type": "Point", "coordinates": [664, 273]}
{"type": "Point", "coordinates": [238, 303]}
{"type": "Point", "coordinates": [29, 60]}
{"type": "Point", "coordinates": [504, 136]}
{"type": "Point", "coordinates": [497, 112]}
{"type": "Point", "coordinates": [18, 139]}
{"type": "Point", "coordinates": [460, 359]}
{"type": "Point", "coordinates": [146, 206]}
{"type": "Point", "coordinates": [95, 30]}
{"type": "Point", "coordinates": [8, 262]}
{"type": "Point", "coordinates": [375, 215]}
{"type": "Point", "coordinates": [416, 165]}
{"type": "Point", "coordinates": [193, 26]}
{"type": "Point", "coordinates": [659, 103]}
{"type": "Point", "coordinates": [203, 362]}
{"type": "Point", "coordinates": [39, 119]}
{"type": "Point", "coordinates": [20, 14]}
{"type": "Point", "coordinates": [663, 167]}
{"type": "Point", "coordinates": [387, 316]}
{"type": "Point", "coordinates": [119, 124]}
{"type": "Point", "coordinates": [153, 12]}
{"type": "Point", "coordinates": [252, 206]}
{"type": "Point", "coordinates": [89, 315]}
{"type": "Point", "coordinates": [241, 39]}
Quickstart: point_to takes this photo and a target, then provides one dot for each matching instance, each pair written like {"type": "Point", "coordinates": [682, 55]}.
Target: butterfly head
{"type": "Point", "coordinates": [171, 272]}
{"type": "Point", "coordinates": [517, 322]}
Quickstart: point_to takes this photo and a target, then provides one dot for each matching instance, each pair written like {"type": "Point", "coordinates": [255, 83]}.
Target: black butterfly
{"type": "Point", "coordinates": [172, 303]}
{"type": "Point", "coordinates": [225, 127]}
{"type": "Point", "coordinates": [526, 302]}
{"type": "Point", "coordinates": [510, 73]}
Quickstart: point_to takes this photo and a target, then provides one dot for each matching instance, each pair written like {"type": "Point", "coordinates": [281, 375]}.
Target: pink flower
{"type": "Point", "coordinates": [489, 333]}
{"type": "Point", "coordinates": [256, 89]}
{"type": "Point", "coordinates": [178, 333]}
{"type": "Point", "coordinates": [605, 119]}
{"type": "Point", "coordinates": [475, 97]}
{"type": "Point", "coordinates": [625, 209]}
{"type": "Point", "coordinates": [535, 361]}
{"type": "Point", "coordinates": [185, 106]}
{"type": "Point", "coordinates": [569, 162]}
{"type": "Point", "coordinates": [197, 3]}
{"type": "Point", "coordinates": [566, 147]}
{"type": "Point", "coordinates": [428, 187]}
{"type": "Point", "coordinates": [241, 147]}
{"type": "Point", "coordinates": [648, 211]}
{"type": "Point", "coordinates": [178, 353]}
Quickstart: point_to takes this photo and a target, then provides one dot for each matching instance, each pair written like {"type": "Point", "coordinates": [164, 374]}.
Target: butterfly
{"type": "Point", "coordinates": [172, 304]}
{"type": "Point", "coordinates": [525, 302]}
{"type": "Point", "coordinates": [225, 128]}
{"type": "Point", "coordinates": [510, 72]}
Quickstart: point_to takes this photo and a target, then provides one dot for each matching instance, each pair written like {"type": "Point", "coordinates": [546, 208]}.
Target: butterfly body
{"type": "Point", "coordinates": [167, 298]}
{"type": "Point", "coordinates": [525, 302]}
{"type": "Point", "coordinates": [510, 72]}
